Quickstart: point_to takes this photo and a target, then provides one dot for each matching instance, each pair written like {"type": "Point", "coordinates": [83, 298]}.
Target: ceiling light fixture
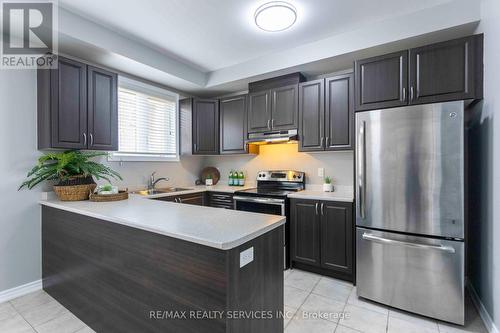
{"type": "Point", "coordinates": [275, 16]}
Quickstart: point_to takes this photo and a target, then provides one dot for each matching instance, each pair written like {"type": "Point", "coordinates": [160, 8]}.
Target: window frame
{"type": "Point", "coordinates": [154, 91]}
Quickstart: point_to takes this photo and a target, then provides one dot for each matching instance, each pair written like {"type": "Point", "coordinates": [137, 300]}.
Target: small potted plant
{"type": "Point", "coordinates": [327, 185]}
{"type": "Point", "coordinates": [74, 172]}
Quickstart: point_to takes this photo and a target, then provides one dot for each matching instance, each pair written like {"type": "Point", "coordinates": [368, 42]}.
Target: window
{"type": "Point", "coordinates": [148, 123]}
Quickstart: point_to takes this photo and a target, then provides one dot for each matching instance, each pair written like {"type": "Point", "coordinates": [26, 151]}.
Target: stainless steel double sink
{"type": "Point", "coordinates": [161, 191]}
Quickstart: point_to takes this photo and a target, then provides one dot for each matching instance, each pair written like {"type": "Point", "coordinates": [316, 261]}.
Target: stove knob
{"type": "Point", "coordinates": [294, 176]}
{"type": "Point", "coordinates": [299, 176]}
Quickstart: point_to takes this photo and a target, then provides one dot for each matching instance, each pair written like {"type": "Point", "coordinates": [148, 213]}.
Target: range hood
{"type": "Point", "coordinates": [272, 137]}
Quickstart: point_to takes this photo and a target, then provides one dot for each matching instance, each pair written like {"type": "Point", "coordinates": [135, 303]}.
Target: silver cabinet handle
{"type": "Point", "coordinates": [382, 240]}
{"type": "Point", "coordinates": [411, 93]}
{"type": "Point", "coordinates": [195, 147]}
{"type": "Point", "coordinates": [403, 95]}
{"type": "Point", "coordinates": [316, 206]}
{"type": "Point", "coordinates": [272, 123]}
{"type": "Point", "coordinates": [321, 142]}
{"type": "Point", "coordinates": [91, 139]}
{"type": "Point", "coordinates": [327, 141]}
{"type": "Point", "coordinates": [322, 211]}
{"type": "Point", "coordinates": [84, 139]}
{"type": "Point", "coordinates": [268, 126]}
{"type": "Point", "coordinates": [180, 200]}
{"type": "Point", "coordinates": [361, 170]}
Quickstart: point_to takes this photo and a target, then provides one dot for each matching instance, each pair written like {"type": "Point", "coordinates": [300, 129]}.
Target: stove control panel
{"type": "Point", "coordinates": [281, 176]}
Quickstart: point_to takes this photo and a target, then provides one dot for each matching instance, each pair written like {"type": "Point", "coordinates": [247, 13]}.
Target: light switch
{"type": "Point", "coordinates": [246, 257]}
{"type": "Point", "coordinates": [321, 172]}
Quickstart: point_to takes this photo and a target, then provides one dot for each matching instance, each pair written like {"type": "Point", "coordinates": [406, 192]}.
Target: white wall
{"type": "Point", "coordinates": [338, 165]}
{"type": "Point", "coordinates": [20, 255]}
{"type": "Point", "coordinates": [20, 228]}
{"type": "Point", "coordinates": [484, 262]}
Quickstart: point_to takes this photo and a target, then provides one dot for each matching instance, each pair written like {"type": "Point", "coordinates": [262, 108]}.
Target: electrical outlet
{"type": "Point", "coordinates": [321, 172]}
{"type": "Point", "coordinates": [246, 257]}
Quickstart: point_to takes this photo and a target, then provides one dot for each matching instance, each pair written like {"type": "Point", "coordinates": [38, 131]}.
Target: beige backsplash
{"type": "Point", "coordinates": [338, 165]}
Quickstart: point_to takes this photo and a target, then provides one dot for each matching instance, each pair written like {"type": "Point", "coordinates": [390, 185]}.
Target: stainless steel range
{"type": "Point", "coordinates": [271, 197]}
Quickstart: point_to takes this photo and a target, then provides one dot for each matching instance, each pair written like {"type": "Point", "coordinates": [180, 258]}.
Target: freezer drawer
{"type": "Point", "coordinates": [416, 274]}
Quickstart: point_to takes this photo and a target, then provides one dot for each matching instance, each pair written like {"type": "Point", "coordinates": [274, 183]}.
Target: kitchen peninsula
{"type": "Point", "coordinates": [144, 265]}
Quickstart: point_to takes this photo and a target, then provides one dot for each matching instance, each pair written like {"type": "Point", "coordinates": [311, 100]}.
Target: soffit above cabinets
{"type": "Point", "coordinates": [204, 46]}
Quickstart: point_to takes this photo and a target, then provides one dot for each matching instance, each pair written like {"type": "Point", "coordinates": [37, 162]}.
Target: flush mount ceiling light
{"type": "Point", "coordinates": [275, 16]}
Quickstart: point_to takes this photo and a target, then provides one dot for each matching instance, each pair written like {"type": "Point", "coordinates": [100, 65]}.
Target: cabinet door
{"type": "Point", "coordinates": [69, 105]}
{"type": "Point", "coordinates": [446, 71]}
{"type": "Point", "coordinates": [339, 114]}
{"type": "Point", "coordinates": [284, 109]}
{"type": "Point", "coordinates": [382, 82]}
{"type": "Point", "coordinates": [337, 236]}
{"type": "Point", "coordinates": [102, 109]}
{"type": "Point", "coordinates": [312, 115]}
{"type": "Point", "coordinates": [233, 125]}
{"type": "Point", "coordinates": [197, 199]}
{"type": "Point", "coordinates": [259, 111]}
{"type": "Point", "coordinates": [305, 224]}
{"type": "Point", "coordinates": [205, 127]}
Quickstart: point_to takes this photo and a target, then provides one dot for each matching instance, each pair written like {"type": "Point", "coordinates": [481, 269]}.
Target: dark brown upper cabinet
{"type": "Point", "coordinates": [312, 115]}
{"type": "Point", "coordinates": [447, 71]}
{"type": "Point", "coordinates": [77, 107]}
{"type": "Point", "coordinates": [233, 125]}
{"type": "Point", "coordinates": [326, 114]}
{"type": "Point", "coordinates": [205, 127]}
{"type": "Point", "coordinates": [381, 82]}
{"type": "Point", "coordinates": [284, 107]}
{"type": "Point", "coordinates": [102, 109]}
{"type": "Point", "coordinates": [339, 113]}
{"type": "Point", "coordinates": [273, 103]}
{"type": "Point", "coordinates": [259, 111]}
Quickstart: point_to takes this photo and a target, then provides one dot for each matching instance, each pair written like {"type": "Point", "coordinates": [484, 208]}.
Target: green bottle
{"type": "Point", "coordinates": [241, 178]}
{"type": "Point", "coordinates": [231, 178]}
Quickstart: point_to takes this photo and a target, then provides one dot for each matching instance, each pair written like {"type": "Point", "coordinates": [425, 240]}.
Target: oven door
{"type": "Point", "coordinates": [271, 206]}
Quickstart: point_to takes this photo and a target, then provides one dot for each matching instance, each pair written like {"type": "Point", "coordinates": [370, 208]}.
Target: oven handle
{"type": "Point", "coordinates": [270, 201]}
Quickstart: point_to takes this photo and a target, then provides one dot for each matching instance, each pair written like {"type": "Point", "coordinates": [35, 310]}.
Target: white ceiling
{"type": "Point", "coordinates": [214, 34]}
{"type": "Point", "coordinates": [209, 47]}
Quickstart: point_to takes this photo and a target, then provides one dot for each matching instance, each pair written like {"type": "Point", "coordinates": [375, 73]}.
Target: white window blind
{"type": "Point", "coordinates": [147, 123]}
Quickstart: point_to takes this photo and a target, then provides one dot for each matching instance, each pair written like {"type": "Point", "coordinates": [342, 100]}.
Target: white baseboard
{"type": "Point", "coordinates": [485, 316]}
{"type": "Point", "coordinates": [19, 291]}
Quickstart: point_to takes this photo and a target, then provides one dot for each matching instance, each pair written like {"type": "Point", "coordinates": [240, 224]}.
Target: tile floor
{"type": "Point", "coordinates": [305, 293]}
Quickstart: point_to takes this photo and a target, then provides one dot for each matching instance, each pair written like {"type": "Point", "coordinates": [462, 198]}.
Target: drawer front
{"type": "Point", "coordinates": [417, 274]}
{"type": "Point", "coordinates": [221, 200]}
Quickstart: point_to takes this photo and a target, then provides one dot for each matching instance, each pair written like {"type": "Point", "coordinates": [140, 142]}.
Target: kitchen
{"type": "Point", "coordinates": [344, 191]}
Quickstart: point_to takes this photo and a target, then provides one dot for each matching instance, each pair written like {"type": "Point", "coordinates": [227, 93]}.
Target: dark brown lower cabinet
{"type": "Point", "coordinates": [198, 199]}
{"type": "Point", "coordinates": [220, 200]}
{"type": "Point", "coordinates": [305, 232]}
{"type": "Point", "coordinates": [322, 237]}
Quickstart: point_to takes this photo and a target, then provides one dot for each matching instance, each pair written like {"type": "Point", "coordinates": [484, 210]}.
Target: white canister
{"type": "Point", "coordinates": [328, 187]}
{"type": "Point", "coordinates": [209, 182]}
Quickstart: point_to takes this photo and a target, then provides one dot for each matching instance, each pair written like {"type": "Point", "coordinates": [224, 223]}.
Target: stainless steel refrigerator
{"type": "Point", "coordinates": [410, 208]}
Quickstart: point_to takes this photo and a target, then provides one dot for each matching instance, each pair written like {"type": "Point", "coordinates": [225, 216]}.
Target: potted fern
{"type": "Point", "coordinates": [327, 185]}
{"type": "Point", "coordinates": [74, 172]}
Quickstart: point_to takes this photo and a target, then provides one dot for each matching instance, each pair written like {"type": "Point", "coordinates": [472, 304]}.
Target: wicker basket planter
{"type": "Point", "coordinates": [75, 189]}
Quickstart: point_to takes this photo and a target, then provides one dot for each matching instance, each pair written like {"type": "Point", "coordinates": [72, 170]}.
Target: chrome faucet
{"type": "Point", "coordinates": [152, 181]}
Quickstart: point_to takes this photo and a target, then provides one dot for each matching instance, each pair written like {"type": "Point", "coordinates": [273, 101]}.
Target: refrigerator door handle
{"type": "Point", "coordinates": [361, 170]}
{"type": "Point", "coordinates": [377, 239]}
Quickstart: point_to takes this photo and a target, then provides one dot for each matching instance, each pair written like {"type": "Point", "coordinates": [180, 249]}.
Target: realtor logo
{"type": "Point", "coordinates": [29, 37]}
